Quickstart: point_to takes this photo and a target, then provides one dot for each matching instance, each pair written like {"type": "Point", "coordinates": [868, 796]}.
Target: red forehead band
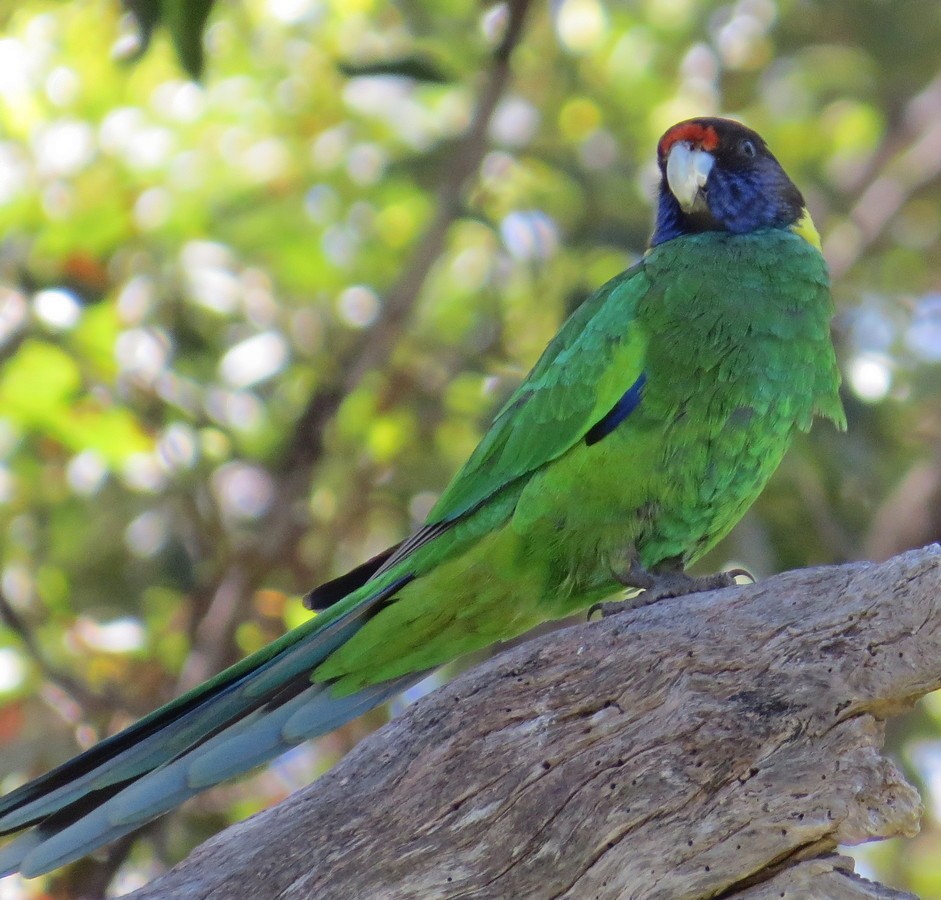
{"type": "Point", "coordinates": [704, 136]}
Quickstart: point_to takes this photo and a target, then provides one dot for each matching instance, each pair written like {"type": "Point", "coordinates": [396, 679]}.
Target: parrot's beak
{"type": "Point", "coordinates": [687, 172]}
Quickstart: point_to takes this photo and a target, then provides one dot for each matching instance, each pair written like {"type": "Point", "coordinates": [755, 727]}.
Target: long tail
{"type": "Point", "coordinates": [243, 717]}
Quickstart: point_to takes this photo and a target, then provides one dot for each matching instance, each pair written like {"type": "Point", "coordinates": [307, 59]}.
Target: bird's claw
{"type": "Point", "coordinates": [664, 585]}
{"type": "Point", "coordinates": [741, 573]}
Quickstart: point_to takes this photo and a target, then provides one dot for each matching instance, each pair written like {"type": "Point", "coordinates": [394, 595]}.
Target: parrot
{"type": "Point", "coordinates": [648, 426]}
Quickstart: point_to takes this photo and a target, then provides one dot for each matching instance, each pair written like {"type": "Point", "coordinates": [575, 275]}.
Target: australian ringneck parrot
{"type": "Point", "coordinates": [648, 426]}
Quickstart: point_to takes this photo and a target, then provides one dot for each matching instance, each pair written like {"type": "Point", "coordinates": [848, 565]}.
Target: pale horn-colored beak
{"type": "Point", "coordinates": [687, 173]}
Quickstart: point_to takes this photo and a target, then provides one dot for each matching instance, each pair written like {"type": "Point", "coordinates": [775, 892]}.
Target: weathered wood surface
{"type": "Point", "coordinates": [719, 744]}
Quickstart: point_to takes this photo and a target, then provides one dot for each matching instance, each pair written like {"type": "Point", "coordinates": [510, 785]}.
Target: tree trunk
{"type": "Point", "coordinates": [714, 745]}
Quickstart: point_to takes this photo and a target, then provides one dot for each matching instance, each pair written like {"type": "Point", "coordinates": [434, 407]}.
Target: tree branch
{"type": "Point", "coordinates": [375, 346]}
{"type": "Point", "coordinates": [88, 701]}
{"type": "Point", "coordinates": [716, 745]}
{"type": "Point", "coordinates": [909, 159]}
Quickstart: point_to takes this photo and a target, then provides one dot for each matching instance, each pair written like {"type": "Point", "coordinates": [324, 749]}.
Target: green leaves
{"type": "Point", "coordinates": [185, 20]}
{"type": "Point", "coordinates": [414, 67]}
{"type": "Point", "coordinates": [41, 391]}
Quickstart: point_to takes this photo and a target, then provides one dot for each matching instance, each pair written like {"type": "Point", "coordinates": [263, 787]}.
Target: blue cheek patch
{"type": "Point", "coordinates": [629, 401]}
{"type": "Point", "coordinates": [739, 202]}
{"type": "Point", "coordinates": [746, 202]}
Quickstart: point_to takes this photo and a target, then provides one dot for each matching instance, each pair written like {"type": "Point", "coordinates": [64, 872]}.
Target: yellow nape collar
{"type": "Point", "coordinates": [804, 227]}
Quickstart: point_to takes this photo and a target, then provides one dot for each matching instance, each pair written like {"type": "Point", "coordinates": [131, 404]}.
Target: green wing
{"type": "Point", "coordinates": [594, 359]}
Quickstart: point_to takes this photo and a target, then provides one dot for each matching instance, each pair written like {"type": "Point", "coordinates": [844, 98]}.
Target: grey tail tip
{"type": "Point", "coordinates": [243, 718]}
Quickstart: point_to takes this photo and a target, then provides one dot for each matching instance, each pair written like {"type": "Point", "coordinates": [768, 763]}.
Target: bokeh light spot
{"type": "Point", "coordinates": [12, 670]}
{"type": "Point", "coordinates": [530, 235]}
{"type": "Point", "coordinates": [146, 535]}
{"type": "Point", "coordinates": [580, 24]}
{"type": "Point", "coordinates": [358, 306]}
{"type": "Point", "coordinates": [255, 359]}
{"type": "Point", "coordinates": [870, 376]}
{"type": "Point", "coordinates": [243, 492]}
{"type": "Point", "coordinates": [58, 308]}
{"type": "Point", "coordinates": [86, 473]}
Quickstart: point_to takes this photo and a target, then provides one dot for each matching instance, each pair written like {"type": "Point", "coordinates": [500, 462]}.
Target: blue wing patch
{"type": "Point", "coordinates": [629, 401]}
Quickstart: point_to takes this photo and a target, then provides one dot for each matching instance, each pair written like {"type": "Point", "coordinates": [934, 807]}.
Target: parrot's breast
{"type": "Point", "coordinates": [738, 359]}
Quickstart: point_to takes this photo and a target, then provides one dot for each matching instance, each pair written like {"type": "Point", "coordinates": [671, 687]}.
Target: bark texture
{"type": "Point", "coordinates": [715, 745]}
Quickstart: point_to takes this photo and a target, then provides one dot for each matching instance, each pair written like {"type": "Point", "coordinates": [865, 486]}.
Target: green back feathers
{"type": "Point", "coordinates": [595, 357]}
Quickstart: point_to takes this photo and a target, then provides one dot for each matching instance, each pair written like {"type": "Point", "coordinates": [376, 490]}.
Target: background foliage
{"type": "Point", "coordinates": [250, 326]}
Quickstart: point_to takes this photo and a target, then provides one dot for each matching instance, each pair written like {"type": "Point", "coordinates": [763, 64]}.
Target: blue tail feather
{"type": "Point", "coordinates": [244, 717]}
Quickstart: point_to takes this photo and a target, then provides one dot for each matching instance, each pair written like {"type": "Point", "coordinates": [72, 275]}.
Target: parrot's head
{"type": "Point", "coordinates": [718, 175]}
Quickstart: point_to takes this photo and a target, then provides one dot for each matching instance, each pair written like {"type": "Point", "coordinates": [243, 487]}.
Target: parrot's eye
{"type": "Point", "coordinates": [747, 149]}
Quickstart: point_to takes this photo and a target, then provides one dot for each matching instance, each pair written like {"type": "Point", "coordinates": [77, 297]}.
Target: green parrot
{"type": "Point", "coordinates": [649, 425]}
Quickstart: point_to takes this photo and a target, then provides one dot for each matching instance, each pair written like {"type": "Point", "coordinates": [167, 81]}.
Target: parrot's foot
{"type": "Point", "coordinates": [668, 581]}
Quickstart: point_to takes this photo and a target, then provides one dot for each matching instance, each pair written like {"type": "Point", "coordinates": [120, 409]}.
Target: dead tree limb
{"type": "Point", "coordinates": [716, 745]}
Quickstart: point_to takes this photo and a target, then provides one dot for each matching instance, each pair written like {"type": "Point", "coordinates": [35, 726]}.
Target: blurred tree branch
{"type": "Point", "coordinates": [910, 516]}
{"type": "Point", "coordinates": [908, 160]}
{"type": "Point", "coordinates": [247, 565]}
{"type": "Point", "coordinates": [719, 744]}
{"type": "Point", "coordinates": [89, 701]}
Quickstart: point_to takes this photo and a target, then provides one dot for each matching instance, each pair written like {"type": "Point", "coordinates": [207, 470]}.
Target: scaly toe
{"type": "Point", "coordinates": [615, 607]}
